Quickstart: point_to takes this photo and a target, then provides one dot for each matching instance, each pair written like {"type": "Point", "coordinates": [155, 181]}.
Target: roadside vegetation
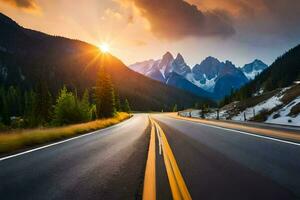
{"type": "Point", "coordinates": [38, 107]}
{"type": "Point", "coordinates": [32, 117]}
{"type": "Point", "coordinates": [20, 139]}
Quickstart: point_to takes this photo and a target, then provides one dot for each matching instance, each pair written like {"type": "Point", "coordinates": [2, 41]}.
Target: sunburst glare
{"type": "Point", "coordinates": [104, 47]}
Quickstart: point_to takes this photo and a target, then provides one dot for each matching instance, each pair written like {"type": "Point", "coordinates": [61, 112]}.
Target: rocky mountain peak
{"type": "Point", "coordinates": [255, 65]}
{"type": "Point", "coordinates": [167, 57]}
{"type": "Point", "coordinates": [254, 68]}
{"type": "Point", "coordinates": [179, 58]}
{"type": "Point", "coordinates": [211, 75]}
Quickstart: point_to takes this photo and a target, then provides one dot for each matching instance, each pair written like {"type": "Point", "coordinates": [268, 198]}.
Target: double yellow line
{"type": "Point", "coordinates": [176, 181]}
{"type": "Point", "coordinates": [149, 191]}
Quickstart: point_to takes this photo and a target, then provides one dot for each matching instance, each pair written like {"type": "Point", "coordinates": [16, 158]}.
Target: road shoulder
{"type": "Point", "coordinates": [286, 135]}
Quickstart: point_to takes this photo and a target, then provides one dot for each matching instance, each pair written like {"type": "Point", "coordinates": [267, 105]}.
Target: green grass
{"type": "Point", "coordinates": [15, 140]}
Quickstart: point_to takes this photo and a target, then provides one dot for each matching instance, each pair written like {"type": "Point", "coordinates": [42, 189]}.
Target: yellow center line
{"type": "Point", "coordinates": [149, 190]}
{"type": "Point", "coordinates": [178, 187]}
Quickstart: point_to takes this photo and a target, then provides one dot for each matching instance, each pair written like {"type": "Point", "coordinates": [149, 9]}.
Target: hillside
{"type": "Point", "coordinates": [280, 106]}
{"type": "Point", "coordinates": [272, 97]}
{"type": "Point", "coordinates": [27, 57]}
{"type": "Point", "coordinates": [282, 73]}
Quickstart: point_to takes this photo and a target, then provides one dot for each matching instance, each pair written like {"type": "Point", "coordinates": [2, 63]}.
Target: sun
{"type": "Point", "coordinates": [104, 47]}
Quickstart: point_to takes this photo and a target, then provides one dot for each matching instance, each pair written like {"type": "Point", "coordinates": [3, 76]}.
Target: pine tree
{"type": "Point", "coordinates": [2, 96]}
{"type": "Point", "coordinates": [175, 108]}
{"type": "Point", "coordinates": [31, 117]}
{"type": "Point", "coordinates": [117, 102]}
{"type": "Point", "coordinates": [43, 102]}
{"type": "Point", "coordinates": [203, 111]}
{"type": "Point", "coordinates": [65, 111]}
{"type": "Point", "coordinates": [126, 106]}
{"type": "Point", "coordinates": [12, 101]}
{"type": "Point", "coordinates": [105, 100]}
{"type": "Point", "coordinates": [69, 109]}
{"type": "Point", "coordinates": [5, 115]}
{"type": "Point", "coordinates": [84, 106]}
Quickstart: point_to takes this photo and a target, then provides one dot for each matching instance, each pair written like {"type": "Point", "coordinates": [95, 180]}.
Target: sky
{"type": "Point", "coordinates": [137, 30]}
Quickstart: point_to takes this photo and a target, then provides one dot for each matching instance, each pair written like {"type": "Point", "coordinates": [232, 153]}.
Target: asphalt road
{"type": "Point", "coordinates": [224, 164]}
{"type": "Point", "coordinates": [108, 164]}
{"type": "Point", "coordinates": [215, 163]}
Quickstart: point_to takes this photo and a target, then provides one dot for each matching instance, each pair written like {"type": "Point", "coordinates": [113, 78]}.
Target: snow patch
{"type": "Point", "coordinates": [281, 116]}
{"type": "Point", "coordinates": [269, 104]}
{"type": "Point", "coordinates": [252, 74]}
{"type": "Point", "coordinates": [209, 84]}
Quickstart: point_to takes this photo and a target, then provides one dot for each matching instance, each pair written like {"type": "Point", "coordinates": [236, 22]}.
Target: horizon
{"type": "Point", "coordinates": [192, 66]}
{"type": "Point", "coordinates": [214, 93]}
{"type": "Point", "coordinates": [127, 30]}
{"type": "Point", "coordinates": [106, 49]}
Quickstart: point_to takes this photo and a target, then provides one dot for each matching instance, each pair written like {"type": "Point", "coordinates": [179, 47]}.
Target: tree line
{"type": "Point", "coordinates": [39, 107]}
{"type": "Point", "coordinates": [282, 73]}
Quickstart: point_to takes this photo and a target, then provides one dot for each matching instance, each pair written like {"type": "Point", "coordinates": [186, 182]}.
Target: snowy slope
{"type": "Point", "coordinates": [251, 75]}
{"type": "Point", "coordinates": [279, 107]}
{"type": "Point", "coordinates": [280, 113]}
{"type": "Point", "coordinates": [265, 105]}
{"type": "Point", "coordinates": [206, 84]}
{"type": "Point", "coordinates": [282, 116]}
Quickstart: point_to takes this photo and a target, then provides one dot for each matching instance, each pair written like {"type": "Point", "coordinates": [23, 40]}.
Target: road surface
{"type": "Point", "coordinates": [108, 164]}
{"type": "Point", "coordinates": [213, 163]}
{"type": "Point", "coordinates": [222, 164]}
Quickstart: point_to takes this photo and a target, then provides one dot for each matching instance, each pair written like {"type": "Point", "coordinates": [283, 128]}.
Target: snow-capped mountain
{"type": "Point", "coordinates": [172, 71]}
{"type": "Point", "coordinates": [210, 78]}
{"type": "Point", "coordinates": [162, 68]}
{"type": "Point", "coordinates": [179, 66]}
{"type": "Point", "coordinates": [253, 69]}
{"type": "Point", "coordinates": [218, 77]}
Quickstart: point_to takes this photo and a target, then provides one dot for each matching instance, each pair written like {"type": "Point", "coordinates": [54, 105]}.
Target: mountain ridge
{"type": "Point", "coordinates": [210, 75]}
{"type": "Point", "coordinates": [28, 56]}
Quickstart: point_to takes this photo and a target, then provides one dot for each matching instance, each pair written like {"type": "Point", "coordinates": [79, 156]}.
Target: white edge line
{"type": "Point", "coordinates": [242, 132]}
{"type": "Point", "coordinates": [63, 141]}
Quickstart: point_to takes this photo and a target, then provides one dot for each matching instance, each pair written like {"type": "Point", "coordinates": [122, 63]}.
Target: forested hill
{"type": "Point", "coordinates": [28, 57]}
{"type": "Point", "coordinates": [282, 73]}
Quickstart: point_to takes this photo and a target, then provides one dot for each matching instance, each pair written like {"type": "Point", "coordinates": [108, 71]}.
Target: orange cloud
{"type": "Point", "coordinates": [275, 14]}
{"type": "Point", "coordinates": [177, 19]}
{"type": "Point", "coordinates": [24, 4]}
{"type": "Point", "coordinates": [139, 43]}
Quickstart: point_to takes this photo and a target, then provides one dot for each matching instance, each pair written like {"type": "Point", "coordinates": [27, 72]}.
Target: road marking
{"type": "Point", "coordinates": [149, 191]}
{"type": "Point", "coordinates": [159, 140]}
{"type": "Point", "coordinates": [63, 141]}
{"type": "Point", "coordinates": [238, 131]}
{"type": "Point", "coordinates": [178, 187]}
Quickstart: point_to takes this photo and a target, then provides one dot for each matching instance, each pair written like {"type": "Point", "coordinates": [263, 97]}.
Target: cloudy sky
{"type": "Point", "coordinates": [236, 30]}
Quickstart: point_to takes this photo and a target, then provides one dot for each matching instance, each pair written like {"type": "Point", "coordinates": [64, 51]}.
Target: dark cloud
{"type": "Point", "coordinates": [27, 4]}
{"type": "Point", "coordinates": [177, 19]}
{"type": "Point", "coordinates": [269, 18]}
